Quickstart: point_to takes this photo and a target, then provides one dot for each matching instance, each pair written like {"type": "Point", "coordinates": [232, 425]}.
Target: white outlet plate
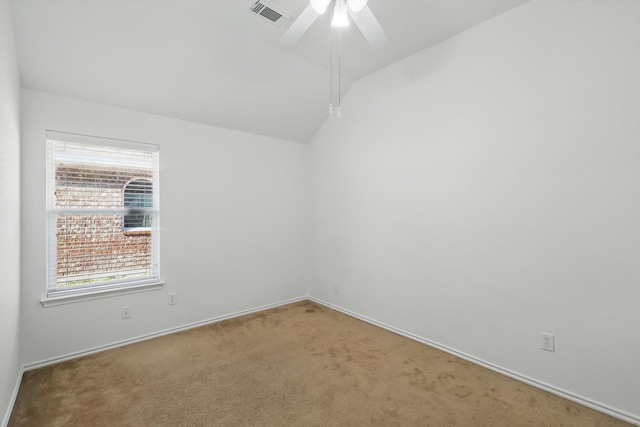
{"type": "Point", "coordinates": [126, 312]}
{"type": "Point", "coordinates": [173, 299]}
{"type": "Point", "coordinates": [335, 287]}
{"type": "Point", "coordinates": [548, 341]}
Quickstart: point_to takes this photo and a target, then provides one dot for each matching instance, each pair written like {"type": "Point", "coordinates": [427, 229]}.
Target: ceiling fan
{"type": "Point", "coordinates": [341, 11]}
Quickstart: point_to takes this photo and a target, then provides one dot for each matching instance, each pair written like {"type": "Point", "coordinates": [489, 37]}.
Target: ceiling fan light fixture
{"type": "Point", "coordinates": [340, 17]}
{"type": "Point", "coordinates": [356, 5]}
{"type": "Point", "coordinates": [320, 6]}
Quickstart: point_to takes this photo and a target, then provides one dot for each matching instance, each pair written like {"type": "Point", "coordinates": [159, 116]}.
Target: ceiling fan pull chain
{"type": "Point", "coordinates": [331, 68]}
{"type": "Point", "coordinates": [339, 72]}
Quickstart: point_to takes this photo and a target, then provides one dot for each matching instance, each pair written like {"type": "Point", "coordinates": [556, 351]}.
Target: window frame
{"type": "Point", "coordinates": [99, 289]}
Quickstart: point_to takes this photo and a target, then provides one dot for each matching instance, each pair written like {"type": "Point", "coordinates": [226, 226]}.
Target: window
{"type": "Point", "coordinates": [99, 190]}
{"type": "Point", "coordinates": [138, 194]}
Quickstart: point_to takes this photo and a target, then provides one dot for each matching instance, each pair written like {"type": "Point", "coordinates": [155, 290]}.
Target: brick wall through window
{"type": "Point", "coordinates": [96, 246]}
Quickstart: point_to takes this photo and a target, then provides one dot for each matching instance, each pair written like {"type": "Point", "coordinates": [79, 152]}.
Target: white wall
{"type": "Point", "coordinates": [9, 212]}
{"type": "Point", "coordinates": [232, 226]}
{"type": "Point", "coordinates": [488, 188]}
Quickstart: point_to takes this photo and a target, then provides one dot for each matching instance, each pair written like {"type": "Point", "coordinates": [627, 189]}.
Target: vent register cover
{"type": "Point", "coordinates": [271, 13]}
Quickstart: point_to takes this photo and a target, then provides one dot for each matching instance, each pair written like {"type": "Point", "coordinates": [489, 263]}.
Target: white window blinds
{"type": "Point", "coordinates": [103, 213]}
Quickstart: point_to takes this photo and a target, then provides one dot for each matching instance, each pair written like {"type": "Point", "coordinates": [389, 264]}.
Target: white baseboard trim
{"type": "Point", "coordinates": [12, 401]}
{"type": "Point", "coordinates": [75, 355]}
{"type": "Point", "coordinates": [511, 374]}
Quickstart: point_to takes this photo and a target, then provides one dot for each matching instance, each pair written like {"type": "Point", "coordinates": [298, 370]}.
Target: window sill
{"type": "Point", "coordinates": [106, 293]}
{"type": "Point", "coordinates": [136, 231]}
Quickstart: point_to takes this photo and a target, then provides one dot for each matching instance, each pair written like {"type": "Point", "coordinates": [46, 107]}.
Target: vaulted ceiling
{"type": "Point", "coordinates": [214, 61]}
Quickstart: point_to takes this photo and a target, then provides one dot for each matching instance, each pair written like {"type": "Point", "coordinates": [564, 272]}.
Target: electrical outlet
{"type": "Point", "coordinates": [126, 312]}
{"type": "Point", "coordinates": [548, 342]}
{"type": "Point", "coordinates": [335, 287]}
{"type": "Point", "coordinates": [173, 299]}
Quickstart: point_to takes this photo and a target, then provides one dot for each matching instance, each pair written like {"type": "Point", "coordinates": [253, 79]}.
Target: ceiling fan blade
{"type": "Point", "coordinates": [370, 27]}
{"type": "Point", "coordinates": [299, 26]}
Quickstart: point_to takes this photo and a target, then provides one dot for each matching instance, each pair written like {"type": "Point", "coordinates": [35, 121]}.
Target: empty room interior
{"type": "Point", "coordinates": [294, 212]}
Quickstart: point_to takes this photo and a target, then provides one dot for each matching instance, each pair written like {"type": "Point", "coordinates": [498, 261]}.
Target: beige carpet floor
{"type": "Point", "coordinates": [296, 365]}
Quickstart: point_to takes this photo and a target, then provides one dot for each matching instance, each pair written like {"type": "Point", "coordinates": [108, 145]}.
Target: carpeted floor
{"type": "Point", "coordinates": [297, 365]}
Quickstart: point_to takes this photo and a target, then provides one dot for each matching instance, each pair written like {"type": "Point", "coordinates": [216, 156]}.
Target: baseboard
{"type": "Point", "coordinates": [75, 355]}
{"type": "Point", "coordinates": [12, 401]}
{"type": "Point", "coordinates": [511, 374]}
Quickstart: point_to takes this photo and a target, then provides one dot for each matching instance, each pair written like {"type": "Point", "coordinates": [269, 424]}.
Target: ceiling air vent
{"type": "Point", "coordinates": [271, 13]}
